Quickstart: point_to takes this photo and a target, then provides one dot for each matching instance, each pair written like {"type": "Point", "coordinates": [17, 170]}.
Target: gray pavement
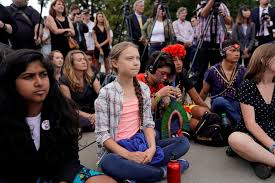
{"type": "Point", "coordinates": [207, 164]}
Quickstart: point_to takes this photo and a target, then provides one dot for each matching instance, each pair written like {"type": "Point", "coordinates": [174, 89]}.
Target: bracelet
{"type": "Point", "coordinates": [272, 148]}
{"type": "Point", "coordinates": [157, 98]}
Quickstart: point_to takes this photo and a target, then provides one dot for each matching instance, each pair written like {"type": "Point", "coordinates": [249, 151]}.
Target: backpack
{"type": "Point", "coordinates": [209, 131]}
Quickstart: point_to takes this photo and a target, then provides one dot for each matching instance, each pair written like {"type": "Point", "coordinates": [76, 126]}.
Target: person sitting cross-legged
{"type": "Point", "coordinates": [255, 139]}
{"type": "Point", "coordinates": [222, 81]}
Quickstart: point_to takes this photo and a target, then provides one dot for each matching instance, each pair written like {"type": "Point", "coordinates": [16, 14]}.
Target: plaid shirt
{"type": "Point", "coordinates": [108, 108]}
{"type": "Point", "coordinates": [220, 36]}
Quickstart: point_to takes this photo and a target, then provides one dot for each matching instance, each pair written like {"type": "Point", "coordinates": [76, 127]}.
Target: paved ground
{"type": "Point", "coordinates": [207, 164]}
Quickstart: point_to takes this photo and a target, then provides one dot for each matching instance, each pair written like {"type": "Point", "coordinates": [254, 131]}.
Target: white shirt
{"type": "Point", "coordinates": [88, 36]}
{"type": "Point", "coordinates": [266, 25]}
{"type": "Point", "coordinates": [184, 31]}
{"type": "Point", "coordinates": [158, 32]}
{"type": "Point", "coordinates": [34, 125]}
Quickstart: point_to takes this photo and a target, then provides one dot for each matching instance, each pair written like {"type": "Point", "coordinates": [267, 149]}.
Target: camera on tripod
{"type": "Point", "coordinates": [217, 3]}
{"type": "Point", "coordinates": [126, 8]}
{"type": "Point", "coordinates": [265, 16]}
{"type": "Point", "coordinates": [162, 4]}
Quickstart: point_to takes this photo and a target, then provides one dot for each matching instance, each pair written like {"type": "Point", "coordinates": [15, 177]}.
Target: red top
{"type": "Point", "coordinates": [153, 88]}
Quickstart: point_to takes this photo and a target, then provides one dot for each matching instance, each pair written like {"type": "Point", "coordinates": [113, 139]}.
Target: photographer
{"type": "Point", "coordinates": [263, 17]}
{"type": "Point", "coordinates": [214, 35]}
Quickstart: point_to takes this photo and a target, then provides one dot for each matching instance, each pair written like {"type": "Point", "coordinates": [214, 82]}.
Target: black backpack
{"type": "Point", "coordinates": [209, 131]}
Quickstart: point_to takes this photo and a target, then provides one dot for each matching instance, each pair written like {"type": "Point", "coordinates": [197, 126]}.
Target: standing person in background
{"type": "Point", "coordinates": [60, 27]}
{"type": "Point", "coordinates": [80, 29]}
{"type": "Point", "coordinates": [42, 130]}
{"type": "Point", "coordinates": [101, 35]}
{"type": "Point", "coordinates": [244, 32]}
{"type": "Point", "coordinates": [212, 40]}
{"type": "Point", "coordinates": [27, 20]}
{"type": "Point", "coordinates": [137, 20]}
{"type": "Point", "coordinates": [255, 140]}
{"type": "Point", "coordinates": [263, 17]}
{"type": "Point", "coordinates": [194, 22]}
{"type": "Point", "coordinates": [157, 35]}
{"type": "Point", "coordinates": [184, 33]}
{"type": "Point", "coordinates": [123, 115]}
{"type": "Point", "coordinates": [73, 10]}
{"type": "Point", "coordinates": [46, 39]}
{"type": "Point", "coordinates": [7, 25]}
{"type": "Point", "coordinates": [90, 42]}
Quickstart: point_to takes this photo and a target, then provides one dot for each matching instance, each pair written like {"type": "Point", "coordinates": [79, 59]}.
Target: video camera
{"type": "Point", "coordinates": [126, 8]}
{"type": "Point", "coordinates": [265, 16]}
{"type": "Point", "coordinates": [162, 4]}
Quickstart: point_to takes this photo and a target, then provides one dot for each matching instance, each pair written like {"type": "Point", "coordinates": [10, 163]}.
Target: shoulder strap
{"type": "Point", "coordinates": [59, 23]}
{"type": "Point", "coordinates": [26, 17]}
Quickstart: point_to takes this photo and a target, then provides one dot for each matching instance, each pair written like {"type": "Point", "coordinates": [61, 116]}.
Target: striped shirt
{"type": "Point", "coordinates": [108, 108]}
{"type": "Point", "coordinates": [220, 36]}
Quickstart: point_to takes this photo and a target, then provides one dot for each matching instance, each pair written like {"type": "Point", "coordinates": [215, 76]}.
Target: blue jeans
{"type": "Point", "coordinates": [121, 169]}
{"type": "Point", "coordinates": [227, 105]}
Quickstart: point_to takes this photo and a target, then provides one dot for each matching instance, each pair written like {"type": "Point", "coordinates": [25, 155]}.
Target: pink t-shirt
{"type": "Point", "coordinates": [129, 120]}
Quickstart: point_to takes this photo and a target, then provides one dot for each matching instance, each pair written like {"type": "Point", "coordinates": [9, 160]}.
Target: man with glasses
{"type": "Point", "coordinates": [73, 11]}
{"type": "Point", "coordinates": [160, 71]}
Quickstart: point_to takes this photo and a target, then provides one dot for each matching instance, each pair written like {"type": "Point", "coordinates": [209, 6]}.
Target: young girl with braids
{"type": "Point", "coordinates": [124, 121]}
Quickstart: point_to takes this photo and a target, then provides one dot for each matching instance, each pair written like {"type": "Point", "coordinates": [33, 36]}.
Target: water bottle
{"type": "Point", "coordinates": [101, 58]}
{"type": "Point", "coordinates": [225, 121]}
{"type": "Point", "coordinates": [173, 171]}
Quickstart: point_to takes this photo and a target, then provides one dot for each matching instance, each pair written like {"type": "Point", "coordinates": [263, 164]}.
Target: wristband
{"type": "Point", "coordinates": [157, 98]}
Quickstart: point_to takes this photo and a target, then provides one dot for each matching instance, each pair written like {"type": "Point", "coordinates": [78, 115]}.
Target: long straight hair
{"type": "Point", "coordinates": [240, 18]}
{"type": "Point", "coordinates": [106, 22]}
{"type": "Point", "coordinates": [12, 104]}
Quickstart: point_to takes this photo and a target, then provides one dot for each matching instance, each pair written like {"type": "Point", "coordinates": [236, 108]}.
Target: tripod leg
{"type": "Point", "coordinates": [121, 30]}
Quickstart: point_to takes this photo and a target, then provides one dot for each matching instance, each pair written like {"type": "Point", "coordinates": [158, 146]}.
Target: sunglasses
{"type": "Point", "coordinates": [76, 14]}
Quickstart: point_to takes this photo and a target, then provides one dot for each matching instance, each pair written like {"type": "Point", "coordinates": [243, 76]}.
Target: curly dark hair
{"type": "Point", "coordinates": [55, 105]}
{"type": "Point", "coordinates": [160, 59]}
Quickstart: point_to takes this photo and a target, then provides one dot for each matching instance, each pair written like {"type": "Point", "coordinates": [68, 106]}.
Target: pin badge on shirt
{"type": "Point", "coordinates": [45, 125]}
